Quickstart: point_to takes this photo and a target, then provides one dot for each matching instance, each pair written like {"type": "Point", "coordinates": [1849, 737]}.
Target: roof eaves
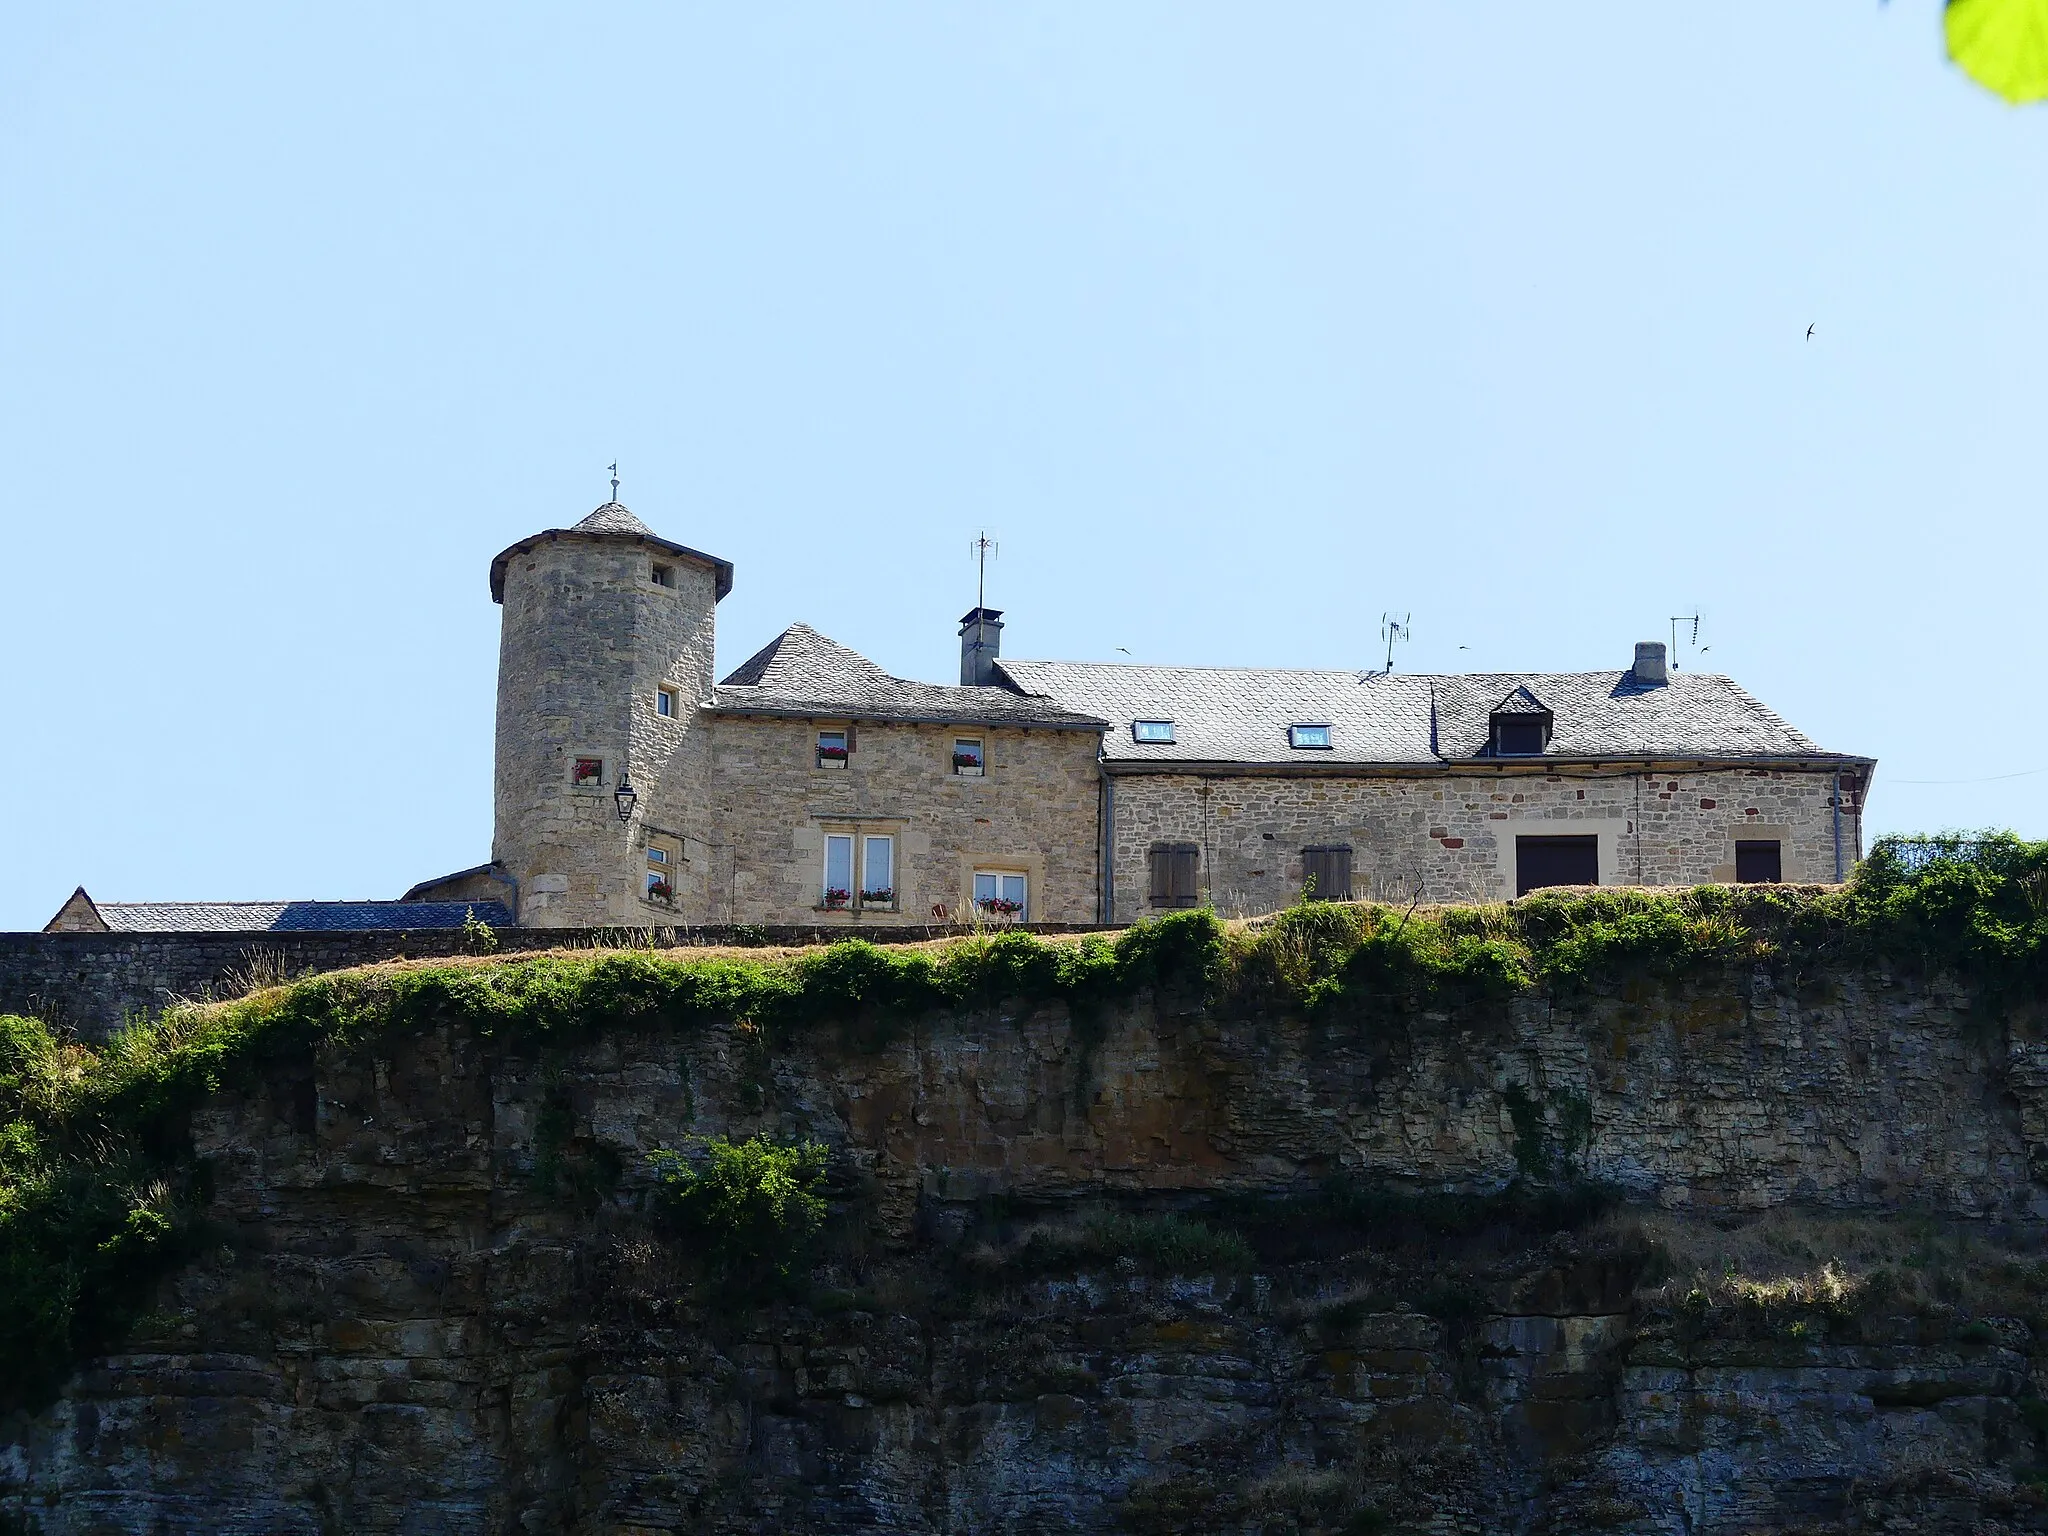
{"type": "Point", "coordinates": [826, 709]}
{"type": "Point", "coordinates": [601, 536]}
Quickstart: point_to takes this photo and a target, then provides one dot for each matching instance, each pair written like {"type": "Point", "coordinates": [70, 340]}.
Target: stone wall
{"type": "Point", "coordinates": [94, 982]}
{"type": "Point", "coordinates": [407, 1327]}
{"type": "Point", "coordinates": [1034, 811]}
{"type": "Point", "coordinates": [1450, 836]}
{"type": "Point", "coordinates": [587, 637]}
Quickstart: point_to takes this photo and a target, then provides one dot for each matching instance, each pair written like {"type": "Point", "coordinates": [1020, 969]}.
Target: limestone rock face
{"type": "Point", "coordinates": [435, 1301]}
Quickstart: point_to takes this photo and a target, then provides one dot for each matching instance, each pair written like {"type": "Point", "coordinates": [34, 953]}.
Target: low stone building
{"type": "Point", "coordinates": [811, 788]}
{"type": "Point", "coordinates": [809, 785]}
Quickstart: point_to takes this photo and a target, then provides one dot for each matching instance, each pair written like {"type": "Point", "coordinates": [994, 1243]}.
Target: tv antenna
{"type": "Point", "coordinates": [982, 547]}
{"type": "Point", "coordinates": [1694, 639]}
{"type": "Point", "coordinates": [1395, 632]}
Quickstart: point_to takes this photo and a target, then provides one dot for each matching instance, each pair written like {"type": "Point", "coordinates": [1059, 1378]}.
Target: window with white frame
{"type": "Point", "coordinates": [838, 890]}
{"type": "Point", "coordinates": [878, 870]}
{"type": "Point", "coordinates": [833, 748]}
{"type": "Point", "coordinates": [860, 871]}
{"type": "Point", "coordinates": [1003, 893]}
{"type": "Point", "coordinates": [970, 759]}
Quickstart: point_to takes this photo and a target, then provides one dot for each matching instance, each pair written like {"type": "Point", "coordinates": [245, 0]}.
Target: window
{"type": "Point", "coordinates": [1541, 861]}
{"type": "Point", "coordinates": [667, 703]}
{"type": "Point", "coordinates": [833, 748]}
{"type": "Point", "coordinates": [664, 575]}
{"type": "Point", "coordinates": [1153, 732]}
{"type": "Point", "coordinates": [661, 874]}
{"type": "Point", "coordinates": [1309, 738]}
{"type": "Point", "coordinates": [1759, 861]}
{"type": "Point", "coordinates": [969, 761]}
{"type": "Point", "coordinates": [1326, 873]}
{"type": "Point", "coordinates": [838, 891]}
{"type": "Point", "coordinates": [878, 871]}
{"type": "Point", "coordinates": [1519, 726]}
{"type": "Point", "coordinates": [1176, 869]}
{"type": "Point", "coordinates": [1002, 893]}
{"type": "Point", "coordinates": [587, 773]}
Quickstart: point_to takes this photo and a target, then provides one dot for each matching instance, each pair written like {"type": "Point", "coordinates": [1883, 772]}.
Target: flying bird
{"type": "Point", "coordinates": [1809, 333]}
{"type": "Point", "coordinates": [1125, 649]}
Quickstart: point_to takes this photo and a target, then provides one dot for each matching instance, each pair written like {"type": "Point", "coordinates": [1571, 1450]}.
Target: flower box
{"type": "Point", "coordinates": [831, 757]}
{"type": "Point", "coordinates": [658, 890]}
{"type": "Point", "coordinates": [882, 898]}
{"type": "Point", "coordinates": [967, 764]}
{"type": "Point", "coordinates": [837, 898]}
{"type": "Point", "coordinates": [997, 906]}
{"type": "Point", "coordinates": [588, 770]}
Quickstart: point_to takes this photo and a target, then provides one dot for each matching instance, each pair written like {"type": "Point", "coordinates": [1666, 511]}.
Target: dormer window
{"type": "Point", "coordinates": [1309, 738]}
{"type": "Point", "coordinates": [1520, 726]}
{"type": "Point", "coordinates": [1152, 732]}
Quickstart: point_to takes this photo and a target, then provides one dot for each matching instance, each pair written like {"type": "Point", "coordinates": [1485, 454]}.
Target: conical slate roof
{"type": "Point", "coordinates": [610, 521]}
{"type": "Point", "coordinates": [613, 517]}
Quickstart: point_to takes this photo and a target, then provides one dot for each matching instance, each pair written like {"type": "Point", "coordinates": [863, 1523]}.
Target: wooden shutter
{"type": "Point", "coordinates": [1330, 870]}
{"type": "Point", "coordinates": [1176, 874]}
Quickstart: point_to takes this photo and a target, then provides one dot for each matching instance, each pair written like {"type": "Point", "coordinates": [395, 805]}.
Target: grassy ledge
{"type": "Point", "coordinates": [100, 1192]}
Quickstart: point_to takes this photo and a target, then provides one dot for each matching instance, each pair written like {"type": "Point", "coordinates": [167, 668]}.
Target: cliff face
{"type": "Point", "coordinates": [433, 1299]}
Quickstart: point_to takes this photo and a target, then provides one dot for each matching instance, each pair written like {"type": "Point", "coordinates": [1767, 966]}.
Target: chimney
{"type": "Point", "coordinates": [981, 640]}
{"type": "Point", "coordinates": [1649, 667]}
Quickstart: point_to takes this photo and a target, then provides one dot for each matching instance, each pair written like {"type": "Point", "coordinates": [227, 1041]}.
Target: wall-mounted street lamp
{"type": "Point", "coordinates": [625, 796]}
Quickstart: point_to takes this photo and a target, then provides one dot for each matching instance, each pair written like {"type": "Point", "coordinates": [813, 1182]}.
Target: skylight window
{"type": "Point", "coordinates": [1309, 738]}
{"type": "Point", "coordinates": [1152, 732]}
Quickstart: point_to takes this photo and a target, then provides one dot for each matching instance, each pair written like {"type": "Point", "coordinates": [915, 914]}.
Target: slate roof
{"type": "Point", "coordinates": [610, 521]}
{"type": "Point", "coordinates": [293, 916]}
{"type": "Point", "coordinates": [1241, 714]}
{"type": "Point", "coordinates": [802, 674]}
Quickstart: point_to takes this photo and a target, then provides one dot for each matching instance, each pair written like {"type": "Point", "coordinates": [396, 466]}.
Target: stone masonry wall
{"type": "Point", "coordinates": [1035, 811]}
{"type": "Point", "coordinates": [587, 636]}
{"type": "Point", "coordinates": [1451, 837]}
{"type": "Point", "coordinates": [404, 1330]}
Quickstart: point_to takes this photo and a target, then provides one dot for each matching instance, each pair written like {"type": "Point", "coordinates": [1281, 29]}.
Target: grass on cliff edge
{"type": "Point", "coordinates": [99, 1190]}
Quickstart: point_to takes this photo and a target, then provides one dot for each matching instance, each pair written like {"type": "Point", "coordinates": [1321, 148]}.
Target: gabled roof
{"type": "Point", "coordinates": [284, 916]}
{"type": "Point", "coordinates": [1520, 701]}
{"type": "Point", "coordinates": [1241, 714]}
{"type": "Point", "coordinates": [802, 674]}
{"type": "Point", "coordinates": [610, 521]}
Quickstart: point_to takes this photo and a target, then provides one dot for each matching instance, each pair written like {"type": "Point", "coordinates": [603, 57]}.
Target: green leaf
{"type": "Point", "coordinates": [2001, 44]}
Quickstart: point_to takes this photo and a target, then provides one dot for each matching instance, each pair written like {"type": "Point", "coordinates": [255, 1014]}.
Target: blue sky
{"type": "Point", "coordinates": [1236, 325]}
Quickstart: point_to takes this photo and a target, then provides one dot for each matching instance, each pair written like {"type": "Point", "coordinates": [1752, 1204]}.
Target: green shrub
{"type": "Point", "coordinates": [751, 1207]}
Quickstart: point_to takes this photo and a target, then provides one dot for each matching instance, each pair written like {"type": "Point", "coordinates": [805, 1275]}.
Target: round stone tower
{"type": "Point", "coordinates": [604, 655]}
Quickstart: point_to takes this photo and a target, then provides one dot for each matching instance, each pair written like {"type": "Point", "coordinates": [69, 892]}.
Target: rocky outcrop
{"type": "Point", "coordinates": [433, 1300]}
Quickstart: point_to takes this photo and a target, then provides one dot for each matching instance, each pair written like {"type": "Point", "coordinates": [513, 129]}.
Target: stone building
{"type": "Point", "coordinates": [811, 788]}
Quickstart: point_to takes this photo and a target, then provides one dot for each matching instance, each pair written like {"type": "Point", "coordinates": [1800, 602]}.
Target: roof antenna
{"type": "Point", "coordinates": [982, 547]}
{"type": "Point", "coordinates": [1393, 631]}
{"type": "Point", "coordinates": [615, 484]}
{"type": "Point", "coordinates": [1684, 618]}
